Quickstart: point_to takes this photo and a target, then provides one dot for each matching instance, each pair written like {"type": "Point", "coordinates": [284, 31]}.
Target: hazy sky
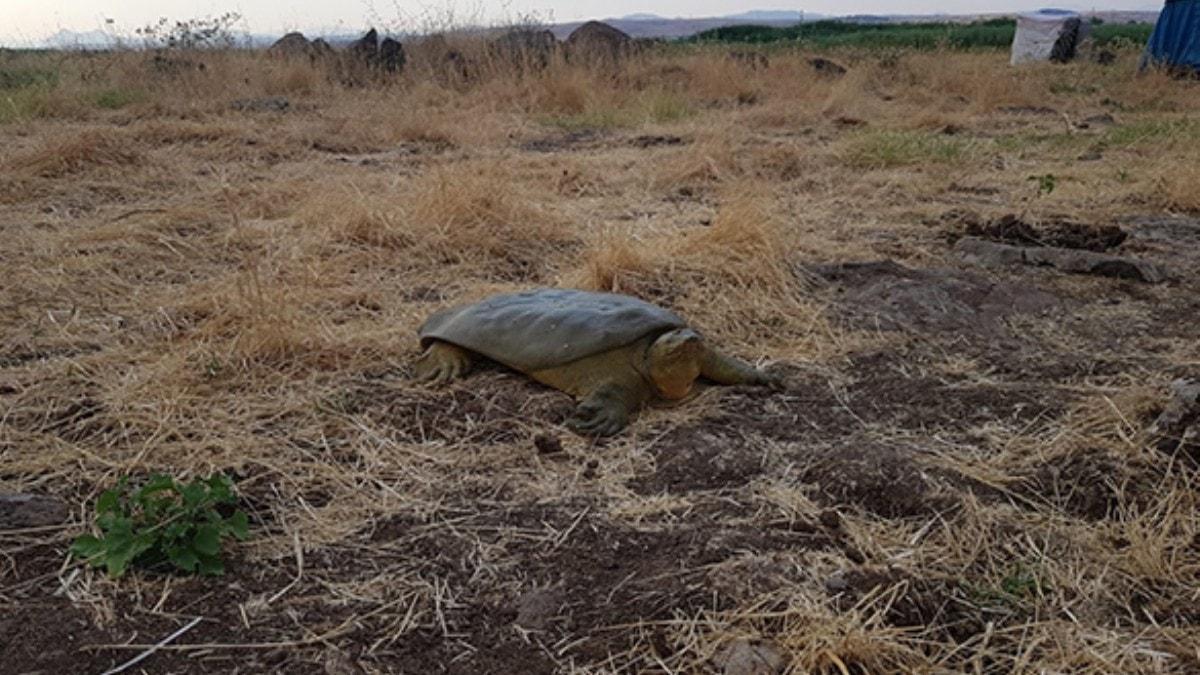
{"type": "Point", "coordinates": [27, 21]}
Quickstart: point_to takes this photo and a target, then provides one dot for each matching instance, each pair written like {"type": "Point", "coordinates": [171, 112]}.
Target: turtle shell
{"type": "Point", "coordinates": [548, 327]}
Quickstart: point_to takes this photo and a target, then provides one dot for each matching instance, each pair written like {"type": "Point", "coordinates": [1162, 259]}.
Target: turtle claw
{"type": "Point", "coordinates": [774, 381]}
{"type": "Point", "coordinates": [596, 419]}
{"type": "Point", "coordinates": [441, 364]}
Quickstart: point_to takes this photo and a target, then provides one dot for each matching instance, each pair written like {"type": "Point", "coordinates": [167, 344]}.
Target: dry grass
{"type": "Point", "coordinates": [194, 288]}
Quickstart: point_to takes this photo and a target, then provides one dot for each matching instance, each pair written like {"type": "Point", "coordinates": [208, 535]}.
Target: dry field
{"type": "Point", "coordinates": [956, 479]}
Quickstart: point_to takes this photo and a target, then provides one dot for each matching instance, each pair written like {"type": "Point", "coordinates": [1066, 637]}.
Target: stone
{"type": "Point", "coordinates": [750, 657]}
{"type": "Point", "coordinates": [597, 42]}
{"type": "Point", "coordinates": [391, 55]}
{"type": "Point", "coordinates": [24, 511]}
{"type": "Point", "coordinates": [1178, 426]}
{"type": "Point", "coordinates": [291, 44]}
{"type": "Point", "coordinates": [525, 48]}
{"type": "Point", "coordinates": [269, 104]}
{"type": "Point", "coordinates": [536, 609]}
{"type": "Point", "coordinates": [991, 254]}
{"type": "Point", "coordinates": [366, 47]}
{"type": "Point", "coordinates": [825, 67]}
{"type": "Point", "coordinates": [547, 444]}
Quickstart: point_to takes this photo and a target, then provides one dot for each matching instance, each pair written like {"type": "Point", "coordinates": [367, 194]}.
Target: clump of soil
{"type": "Point", "coordinates": [1011, 229]}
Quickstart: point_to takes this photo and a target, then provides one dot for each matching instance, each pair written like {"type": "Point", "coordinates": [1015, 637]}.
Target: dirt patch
{"type": "Point", "coordinates": [918, 603]}
{"type": "Point", "coordinates": [1091, 484]}
{"type": "Point", "coordinates": [493, 405]}
{"type": "Point", "coordinates": [886, 392]}
{"type": "Point", "coordinates": [806, 409]}
{"type": "Point", "coordinates": [884, 480]}
{"type": "Point", "coordinates": [888, 296]}
{"type": "Point", "coordinates": [565, 142]}
{"type": "Point", "coordinates": [654, 141]}
{"type": "Point", "coordinates": [690, 459]}
{"type": "Point", "coordinates": [1010, 229]}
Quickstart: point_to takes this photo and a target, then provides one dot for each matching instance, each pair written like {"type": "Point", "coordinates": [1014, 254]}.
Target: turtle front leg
{"type": "Point", "coordinates": [441, 363]}
{"type": "Point", "coordinates": [604, 412]}
{"type": "Point", "coordinates": [724, 369]}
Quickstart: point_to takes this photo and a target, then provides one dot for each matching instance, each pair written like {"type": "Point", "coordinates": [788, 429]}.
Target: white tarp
{"type": "Point", "coordinates": [1047, 35]}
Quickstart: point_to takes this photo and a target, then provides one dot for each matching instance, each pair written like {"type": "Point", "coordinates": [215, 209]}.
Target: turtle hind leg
{"type": "Point", "coordinates": [604, 412]}
{"type": "Point", "coordinates": [441, 363]}
{"type": "Point", "coordinates": [724, 369]}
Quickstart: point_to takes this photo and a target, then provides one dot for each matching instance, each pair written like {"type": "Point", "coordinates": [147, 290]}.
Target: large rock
{"type": "Point", "coordinates": [366, 48]}
{"type": "Point", "coordinates": [292, 44]}
{"type": "Point", "coordinates": [598, 43]}
{"type": "Point", "coordinates": [991, 254]}
{"type": "Point", "coordinates": [391, 55]}
{"type": "Point", "coordinates": [525, 48]}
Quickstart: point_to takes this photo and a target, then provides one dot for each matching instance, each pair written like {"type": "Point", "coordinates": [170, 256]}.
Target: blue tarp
{"type": "Point", "coordinates": [1175, 42]}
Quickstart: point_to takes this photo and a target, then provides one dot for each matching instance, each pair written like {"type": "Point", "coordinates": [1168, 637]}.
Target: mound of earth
{"type": "Point", "coordinates": [889, 296]}
{"type": "Point", "coordinates": [1010, 229]}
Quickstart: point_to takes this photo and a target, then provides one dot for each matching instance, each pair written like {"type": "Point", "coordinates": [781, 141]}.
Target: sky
{"type": "Point", "coordinates": [24, 22]}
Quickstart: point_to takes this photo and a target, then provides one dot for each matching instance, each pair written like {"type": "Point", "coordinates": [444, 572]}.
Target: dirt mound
{"type": "Point", "coordinates": [884, 294]}
{"type": "Point", "coordinates": [884, 480]}
{"type": "Point", "coordinates": [1092, 484]}
{"type": "Point", "coordinates": [1010, 229]}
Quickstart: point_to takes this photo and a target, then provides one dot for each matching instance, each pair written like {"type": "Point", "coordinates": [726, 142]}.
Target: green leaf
{"type": "Point", "coordinates": [211, 565]}
{"type": "Point", "coordinates": [239, 525]}
{"type": "Point", "coordinates": [184, 558]}
{"type": "Point", "coordinates": [194, 494]}
{"type": "Point", "coordinates": [117, 561]}
{"type": "Point", "coordinates": [207, 540]}
{"type": "Point", "coordinates": [220, 489]}
{"type": "Point", "coordinates": [157, 483]}
{"type": "Point", "coordinates": [108, 501]}
{"type": "Point", "coordinates": [87, 546]}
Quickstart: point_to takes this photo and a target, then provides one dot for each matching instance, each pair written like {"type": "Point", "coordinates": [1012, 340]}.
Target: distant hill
{"type": "Point", "coordinates": [772, 15]}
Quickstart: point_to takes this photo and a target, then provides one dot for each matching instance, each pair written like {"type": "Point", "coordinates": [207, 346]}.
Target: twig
{"type": "Point", "coordinates": [144, 655]}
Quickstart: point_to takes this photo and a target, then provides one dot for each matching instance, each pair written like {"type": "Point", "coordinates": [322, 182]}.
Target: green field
{"type": "Point", "coordinates": [995, 33]}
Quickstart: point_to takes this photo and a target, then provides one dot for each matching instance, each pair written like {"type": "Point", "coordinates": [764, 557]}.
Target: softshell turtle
{"type": "Point", "coordinates": [612, 352]}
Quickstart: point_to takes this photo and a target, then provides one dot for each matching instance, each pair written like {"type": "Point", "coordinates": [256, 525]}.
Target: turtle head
{"type": "Point", "coordinates": [673, 362]}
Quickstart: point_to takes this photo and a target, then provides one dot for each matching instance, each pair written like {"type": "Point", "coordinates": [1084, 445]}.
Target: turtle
{"type": "Point", "coordinates": [612, 352]}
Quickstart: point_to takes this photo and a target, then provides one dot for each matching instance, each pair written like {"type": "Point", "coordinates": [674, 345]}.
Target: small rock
{"type": "Point", "coordinates": [1103, 119]}
{"type": "Point", "coordinates": [270, 104]}
{"type": "Point", "coordinates": [1179, 424]}
{"type": "Point", "coordinates": [831, 519]}
{"type": "Point", "coordinates": [836, 584]}
{"type": "Point", "coordinates": [537, 608]}
{"type": "Point", "coordinates": [22, 511]}
{"type": "Point", "coordinates": [750, 657]}
{"type": "Point", "coordinates": [826, 67]}
{"type": "Point", "coordinates": [1091, 156]}
{"type": "Point", "coordinates": [589, 469]}
{"type": "Point", "coordinates": [338, 662]}
{"type": "Point", "coordinates": [547, 444]}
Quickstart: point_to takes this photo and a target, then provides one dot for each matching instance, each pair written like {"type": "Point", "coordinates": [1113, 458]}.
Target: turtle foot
{"type": "Point", "coordinates": [598, 418]}
{"type": "Point", "coordinates": [442, 363]}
